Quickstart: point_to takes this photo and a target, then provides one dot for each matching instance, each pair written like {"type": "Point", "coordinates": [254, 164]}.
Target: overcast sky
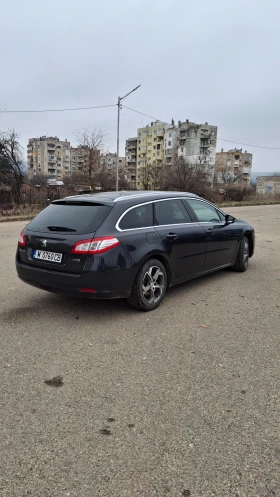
{"type": "Point", "coordinates": [202, 60]}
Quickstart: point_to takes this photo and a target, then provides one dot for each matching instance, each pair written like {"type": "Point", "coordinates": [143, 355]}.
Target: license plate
{"type": "Point", "coordinates": [43, 255]}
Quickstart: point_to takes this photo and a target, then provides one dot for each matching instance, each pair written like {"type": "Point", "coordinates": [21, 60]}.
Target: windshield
{"type": "Point", "coordinates": [70, 217]}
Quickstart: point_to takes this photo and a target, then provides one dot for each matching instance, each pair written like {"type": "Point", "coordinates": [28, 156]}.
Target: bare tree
{"type": "Point", "coordinates": [93, 142]}
{"type": "Point", "coordinates": [38, 180]}
{"type": "Point", "coordinates": [149, 175]}
{"type": "Point", "coordinates": [223, 175]}
{"type": "Point", "coordinates": [11, 163]}
{"type": "Point", "coordinates": [188, 174]}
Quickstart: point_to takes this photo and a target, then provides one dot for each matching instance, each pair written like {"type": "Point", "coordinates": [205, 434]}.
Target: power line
{"type": "Point", "coordinates": [129, 108]}
{"type": "Point", "coordinates": [142, 114]}
{"type": "Point", "coordinates": [222, 139]}
{"type": "Point", "coordinates": [55, 110]}
{"type": "Point", "coordinates": [248, 145]}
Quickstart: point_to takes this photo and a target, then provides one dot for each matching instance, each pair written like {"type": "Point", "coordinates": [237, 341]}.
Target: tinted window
{"type": "Point", "coordinates": [79, 217]}
{"type": "Point", "coordinates": [140, 216]}
{"type": "Point", "coordinates": [171, 212]}
{"type": "Point", "coordinates": [204, 212]}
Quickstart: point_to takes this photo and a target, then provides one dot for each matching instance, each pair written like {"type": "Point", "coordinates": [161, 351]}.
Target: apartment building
{"type": "Point", "coordinates": [109, 161]}
{"type": "Point", "coordinates": [196, 143]}
{"type": "Point", "coordinates": [84, 158]}
{"type": "Point", "coordinates": [233, 166]}
{"type": "Point", "coordinates": [79, 158]}
{"type": "Point", "coordinates": [48, 156]}
{"type": "Point", "coordinates": [268, 184]}
{"type": "Point", "coordinates": [171, 140]}
{"type": "Point", "coordinates": [150, 149]}
{"type": "Point", "coordinates": [131, 161]}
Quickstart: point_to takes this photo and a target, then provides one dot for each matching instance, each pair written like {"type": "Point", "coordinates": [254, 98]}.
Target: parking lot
{"type": "Point", "coordinates": [182, 401]}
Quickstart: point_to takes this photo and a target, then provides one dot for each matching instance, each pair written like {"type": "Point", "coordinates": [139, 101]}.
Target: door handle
{"type": "Point", "coordinates": [211, 230]}
{"type": "Point", "coordinates": [172, 236]}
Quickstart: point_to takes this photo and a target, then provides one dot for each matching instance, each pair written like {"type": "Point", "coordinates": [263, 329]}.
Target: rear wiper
{"type": "Point", "coordinates": [59, 228]}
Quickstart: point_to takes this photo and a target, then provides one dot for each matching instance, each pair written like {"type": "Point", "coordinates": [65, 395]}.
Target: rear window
{"type": "Point", "coordinates": [70, 217]}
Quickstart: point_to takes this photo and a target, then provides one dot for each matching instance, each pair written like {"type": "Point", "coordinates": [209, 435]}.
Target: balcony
{"type": "Point", "coordinates": [51, 161]}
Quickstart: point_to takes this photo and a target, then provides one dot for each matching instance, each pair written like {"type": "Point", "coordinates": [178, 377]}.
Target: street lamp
{"type": "Point", "coordinates": [118, 134]}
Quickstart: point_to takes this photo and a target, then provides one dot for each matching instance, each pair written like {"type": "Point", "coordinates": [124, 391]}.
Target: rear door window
{"type": "Point", "coordinates": [171, 212]}
{"type": "Point", "coordinates": [140, 216]}
{"type": "Point", "coordinates": [67, 217]}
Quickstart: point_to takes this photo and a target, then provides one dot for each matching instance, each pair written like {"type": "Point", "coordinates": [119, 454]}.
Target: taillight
{"type": "Point", "coordinates": [95, 245]}
{"type": "Point", "coordinates": [21, 240]}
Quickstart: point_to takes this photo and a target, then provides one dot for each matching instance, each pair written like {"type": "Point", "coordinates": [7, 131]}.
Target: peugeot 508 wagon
{"type": "Point", "coordinates": [131, 245]}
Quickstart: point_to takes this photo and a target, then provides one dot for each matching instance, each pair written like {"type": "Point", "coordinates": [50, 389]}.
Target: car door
{"type": "Point", "coordinates": [221, 239]}
{"type": "Point", "coordinates": [183, 239]}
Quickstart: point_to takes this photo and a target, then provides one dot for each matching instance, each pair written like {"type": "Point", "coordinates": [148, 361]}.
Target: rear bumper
{"type": "Point", "coordinates": [107, 285]}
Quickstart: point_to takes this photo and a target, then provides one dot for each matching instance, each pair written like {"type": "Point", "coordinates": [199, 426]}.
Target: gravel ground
{"type": "Point", "coordinates": [183, 401]}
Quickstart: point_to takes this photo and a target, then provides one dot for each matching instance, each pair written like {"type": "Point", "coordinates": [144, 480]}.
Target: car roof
{"type": "Point", "coordinates": [139, 196]}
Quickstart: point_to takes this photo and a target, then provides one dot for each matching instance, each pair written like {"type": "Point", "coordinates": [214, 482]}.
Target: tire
{"type": "Point", "coordinates": [242, 258]}
{"type": "Point", "coordinates": [149, 287]}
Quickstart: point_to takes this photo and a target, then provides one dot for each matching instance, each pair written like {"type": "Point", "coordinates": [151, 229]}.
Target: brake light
{"type": "Point", "coordinates": [21, 240]}
{"type": "Point", "coordinates": [95, 245]}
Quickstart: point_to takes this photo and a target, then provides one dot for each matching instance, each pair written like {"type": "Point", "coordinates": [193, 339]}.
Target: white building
{"type": "Point", "coordinates": [196, 143]}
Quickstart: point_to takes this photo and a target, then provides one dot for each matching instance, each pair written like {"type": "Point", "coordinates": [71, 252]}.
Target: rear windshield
{"type": "Point", "coordinates": [70, 218]}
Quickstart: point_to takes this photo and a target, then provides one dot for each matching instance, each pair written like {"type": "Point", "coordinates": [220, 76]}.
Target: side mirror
{"type": "Point", "coordinates": [229, 219]}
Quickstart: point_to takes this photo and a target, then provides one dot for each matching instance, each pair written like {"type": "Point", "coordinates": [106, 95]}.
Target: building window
{"type": "Point", "coordinates": [169, 144]}
{"type": "Point", "coordinates": [182, 150]}
{"type": "Point", "coordinates": [170, 134]}
{"type": "Point", "coordinates": [236, 157]}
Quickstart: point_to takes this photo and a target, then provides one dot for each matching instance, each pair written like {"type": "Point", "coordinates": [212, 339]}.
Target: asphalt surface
{"type": "Point", "coordinates": [183, 401]}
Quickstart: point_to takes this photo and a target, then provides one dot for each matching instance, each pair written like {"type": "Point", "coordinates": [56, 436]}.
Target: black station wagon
{"type": "Point", "coordinates": [131, 245]}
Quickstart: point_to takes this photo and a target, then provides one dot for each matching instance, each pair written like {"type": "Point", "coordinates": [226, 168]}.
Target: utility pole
{"type": "Point", "coordinates": [118, 144]}
{"type": "Point", "coordinates": [118, 134]}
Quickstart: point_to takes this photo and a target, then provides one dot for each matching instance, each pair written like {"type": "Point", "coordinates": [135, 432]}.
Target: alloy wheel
{"type": "Point", "coordinates": [246, 251]}
{"type": "Point", "coordinates": [153, 285]}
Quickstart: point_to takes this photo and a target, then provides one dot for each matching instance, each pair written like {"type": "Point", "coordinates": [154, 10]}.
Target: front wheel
{"type": "Point", "coordinates": [149, 287]}
{"type": "Point", "coordinates": [242, 258]}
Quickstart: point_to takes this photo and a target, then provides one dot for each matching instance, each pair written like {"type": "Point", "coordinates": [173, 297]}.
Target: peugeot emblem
{"type": "Point", "coordinates": [44, 243]}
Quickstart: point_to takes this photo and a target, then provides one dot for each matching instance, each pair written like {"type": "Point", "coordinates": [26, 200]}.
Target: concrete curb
{"type": "Point", "coordinates": [17, 218]}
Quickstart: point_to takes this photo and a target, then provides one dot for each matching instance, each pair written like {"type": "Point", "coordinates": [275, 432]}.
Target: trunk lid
{"type": "Point", "coordinates": [50, 236]}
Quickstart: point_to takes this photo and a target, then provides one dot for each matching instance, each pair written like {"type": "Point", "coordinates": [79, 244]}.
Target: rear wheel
{"type": "Point", "coordinates": [242, 258]}
{"type": "Point", "coordinates": [149, 287]}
